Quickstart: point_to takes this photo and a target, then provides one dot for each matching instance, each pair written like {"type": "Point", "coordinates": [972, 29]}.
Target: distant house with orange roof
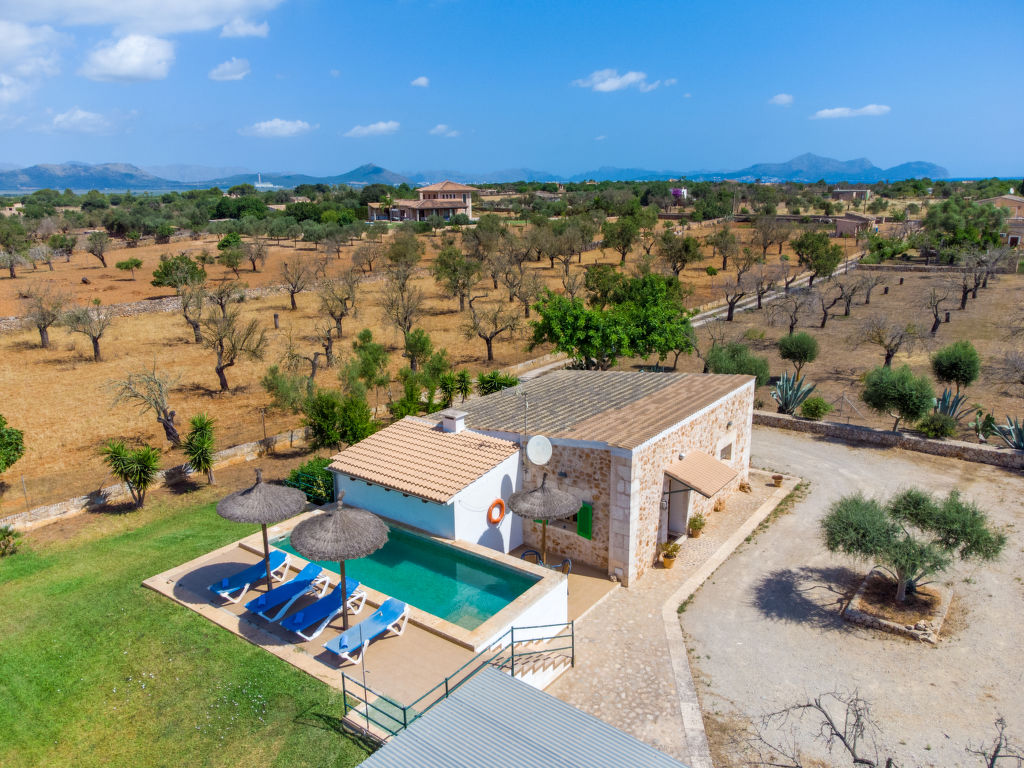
{"type": "Point", "coordinates": [444, 199]}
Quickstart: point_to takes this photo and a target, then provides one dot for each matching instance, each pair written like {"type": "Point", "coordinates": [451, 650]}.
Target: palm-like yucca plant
{"type": "Point", "coordinates": [463, 384]}
{"type": "Point", "coordinates": [953, 405]}
{"type": "Point", "coordinates": [447, 386]}
{"type": "Point", "coordinates": [790, 393]}
{"type": "Point", "coordinates": [1012, 433]}
{"type": "Point", "coordinates": [135, 467]}
{"type": "Point", "coordinates": [198, 445]}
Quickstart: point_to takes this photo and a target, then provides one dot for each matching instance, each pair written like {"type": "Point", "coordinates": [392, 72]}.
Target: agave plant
{"type": "Point", "coordinates": [790, 392]}
{"type": "Point", "coordinates": [984, 424]}
{"type": "Point", "coordinates": [1012, 433]}
{"type": "Point", "coordinates": [951, 404]}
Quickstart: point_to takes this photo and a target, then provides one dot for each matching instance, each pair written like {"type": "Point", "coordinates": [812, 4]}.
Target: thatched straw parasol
{"type": "Point", "coordinates": [344, 534]}
{"type": "Point", "coordinates": [264, 504]}
{"type": "Point", "coordinates": [544, 504]}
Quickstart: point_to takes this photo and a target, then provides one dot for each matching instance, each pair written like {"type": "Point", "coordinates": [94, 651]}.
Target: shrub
{"type": "Point", "coordinates": [177, 271]}
{"type": "Point", "coordinates": [8, 540]}
{"type": "Point", "coordinates": [697, 523]}
{"type": "Point", "coordinates": [288, 391]}
{"type": "Point", "coordinates": [314, 478]}
{"type": "Point", "coordinates": [711, 271]}
{"type": "Point", "coordinates": [754, 334]}
{"type": "Point", "coordinates": [815, 408]}
{"type": "Point", "coordinates": [737, 358]}
{"type": "Point", "coordinates": [937, 425]}
{"type": "Point", "coordinates": [957, 364]}
{"type": "Point", "coordinates": [334, 418]}
{"type": "Point", "coordinates": [135, 467]}
{"type": "Point", "coordinates": [898, 393]}
{"type": "Point", "coordinates": [12, 444]}
{"type": "Point", "coordinates": [495, 381]}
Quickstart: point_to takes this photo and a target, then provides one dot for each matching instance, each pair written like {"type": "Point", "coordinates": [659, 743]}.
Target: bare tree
{"type": "Point", "coordinates": [734, 288]}
{"type": "Point", "coordinates": [232, 339]}
{"type": "Point", "coordinates": [366, 255]}
{"type": "Point", "coordinates": [297, 275]}
{"type": "Point", "coordinates": [716, 332]}
{"type": "Point", "coordinates": [338, 297]}
{"type": "Point", "coordinates": [573, 284]}
{"type": "Point", "coordinates": [149, 391]}
{"type": "Point", "coordinates": [11, 260]}
{"type": "Point", "coordinates": [45, 308]}
{"type": "Point", "coordinates": [764, 231]}
{"type": "Point", "coordinates": [295, 358]}
{"type": "Point", "coordinates": [402, 304]}
{"type": "Point", "coordinates": [192, 296]}
{"type": "Point", "coordinates": [826, 296]}
{"type": "Point", "coordinates": [255, 251]}
{"type": "Point", "coordinates": [868, 282]}
{"type": "Point", "coordinates": [1009, 369]}
{"type": "Point", "coordinates": [1001, 750]}
{"type": "Point", "coordinates": [848, 289]}
{"type": "Point", "coordinates": [764, 278]}
{"type": "Point", "coordinates": [91, 321]}
{"type": "Point", "coordinates": [961, 281]}
{"type": "Point", "coordinates": [790, 275]}
{"type": "Point", "coordinates": [529, 290]}
{"type": "Point", "coordinates": [934, 300]}
{"type": "Point", "coordinates": [890, 336]}
{"type": "Point", "coordinates": [789, 309]}
{"type": "Point", "coordinates": [489, 323]}
{"type": "Point", "coordinates": [43, 253]}
{"type": "Point", "coordinates": [512, 274]}
{"type": "Point", "coordinates": [225, 293]}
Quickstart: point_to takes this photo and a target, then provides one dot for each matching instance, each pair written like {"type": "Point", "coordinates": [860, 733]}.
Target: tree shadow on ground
{"type": "Point", "coordinates": [328, 722]}
{"type": "Point", "coordinates": [114, 508]}
{"type": "Point", "coordinates": [806, 595]}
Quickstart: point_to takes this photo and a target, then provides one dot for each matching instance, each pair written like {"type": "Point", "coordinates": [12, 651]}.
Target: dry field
{"type": "Point", "coordinates": [61, 399]}
{"type": "Point", "coordinates": [843, 359]}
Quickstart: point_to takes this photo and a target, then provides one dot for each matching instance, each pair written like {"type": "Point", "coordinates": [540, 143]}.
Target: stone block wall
{"type": "Point", "coordinates": [707, 431]}
{"type": "Point", "coordinates": [588, 477]}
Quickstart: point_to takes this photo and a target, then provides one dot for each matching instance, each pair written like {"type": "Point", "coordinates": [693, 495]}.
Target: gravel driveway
{"type": "Point", "coordinates": [765, 631]}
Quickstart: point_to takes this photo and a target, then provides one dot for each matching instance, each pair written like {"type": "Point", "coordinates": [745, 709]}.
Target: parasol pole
{"type": "Point", "coordinates": [544, 542]}
{"type": "Point", "coordinates": [266, 553]}
{"type": "Point", "coordinates": [344, 595]}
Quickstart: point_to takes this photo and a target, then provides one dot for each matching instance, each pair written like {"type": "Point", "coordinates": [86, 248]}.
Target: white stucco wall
{"type": "Point", "coordinates": [551, 608]}
{"type": "Point", "coordinates": [438, 519]}
{"type": "Point", "coordinates": [471, 505]}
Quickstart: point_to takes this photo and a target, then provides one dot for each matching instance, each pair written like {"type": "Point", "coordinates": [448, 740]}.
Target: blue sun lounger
{"type": "Point", "coordinates": [241, 581]}
{"type": "Point", "coordinates": [322, 612]}
{"type": "Point", "coordinates": [390, 617]}
{"type": "Point", "coordinates": [311, 580]}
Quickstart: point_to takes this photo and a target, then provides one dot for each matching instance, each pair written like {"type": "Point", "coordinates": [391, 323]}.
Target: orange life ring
{"type": "Point", "coordinates": [500, 506]}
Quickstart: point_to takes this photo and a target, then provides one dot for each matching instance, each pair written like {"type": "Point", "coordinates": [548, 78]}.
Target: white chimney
{"type": "Point", "coordinates": [453, 420]}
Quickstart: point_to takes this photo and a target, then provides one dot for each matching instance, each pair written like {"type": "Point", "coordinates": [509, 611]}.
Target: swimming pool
{"type": "Point", "coordinates": [434, 577]}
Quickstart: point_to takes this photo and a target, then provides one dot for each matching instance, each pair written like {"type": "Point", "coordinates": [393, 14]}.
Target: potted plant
{"type": "Point", "coordinates": [669, 553]}
{"type": "Point", "coordinates": [777, 479]}
{"type": "Point", "coordinates": [697, 523]}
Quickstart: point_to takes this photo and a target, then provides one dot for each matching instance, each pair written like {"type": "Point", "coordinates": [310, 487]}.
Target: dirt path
{"type": "Point", "coordinates": [766, 632]}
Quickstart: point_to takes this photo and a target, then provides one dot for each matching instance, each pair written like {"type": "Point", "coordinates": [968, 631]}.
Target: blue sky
{"type": "Point", "coordinates": [321, 86]}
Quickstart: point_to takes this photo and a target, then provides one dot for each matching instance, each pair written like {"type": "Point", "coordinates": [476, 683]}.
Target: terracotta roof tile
{"type": "Point", "coordinates": [416, 457]}
{"type": "Point", "coordinates": [705, 474]}
{"type": "Point", "coordinates": [446, 186]}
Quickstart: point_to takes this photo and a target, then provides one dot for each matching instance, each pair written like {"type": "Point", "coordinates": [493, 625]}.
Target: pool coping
{"type": "Point", "coordinates": [475, 640]}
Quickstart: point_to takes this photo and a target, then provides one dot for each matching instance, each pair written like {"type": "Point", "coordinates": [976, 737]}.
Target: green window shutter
{"type": "Point", "coordinates": [585, 521]}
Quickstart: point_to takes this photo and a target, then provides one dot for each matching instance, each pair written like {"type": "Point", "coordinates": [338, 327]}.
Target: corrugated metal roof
{"type": "Point", "coordinates": [619, 408]}
{"type": "Point", "coordinates": [705, 474]}
{"type": "Point", "coordinates": [417, 457]}
{"type": "Point", "coordinates": [496, 721]}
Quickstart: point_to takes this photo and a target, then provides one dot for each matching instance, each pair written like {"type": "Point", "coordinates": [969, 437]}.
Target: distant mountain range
{"type": "Point", "coordinates": [118, 177]}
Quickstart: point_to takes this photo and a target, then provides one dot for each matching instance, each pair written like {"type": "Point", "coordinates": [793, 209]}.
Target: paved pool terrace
{"type": "Point", "coordinates": [401, 668]}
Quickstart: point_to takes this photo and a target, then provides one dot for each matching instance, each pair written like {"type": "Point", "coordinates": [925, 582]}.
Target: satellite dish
{"type": "Point", "coordinates": [538, 450]}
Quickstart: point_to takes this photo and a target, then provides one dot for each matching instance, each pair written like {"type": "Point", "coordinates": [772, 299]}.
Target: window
{"type": "Point", "coordinates": [725, 454]}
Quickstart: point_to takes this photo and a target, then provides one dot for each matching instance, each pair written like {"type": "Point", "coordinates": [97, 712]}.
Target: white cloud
{"type": "Point", "coordinates": [27, 55]}
{"type": "Point", "coordinates": [670, 81]}
{"type": "Point", "coordinates": [687, 95]}
{"type": "Point", "coordinates": [608, 80]}
{"type": "Point", "coordinates": [383, 128]}
{"type": "Point", "coordinates": [602, 137]}
{"type": "Point", "coordinates": [421, 82]}
{"type": "Point", "coordinates": [442, 130]}
{"type": "Point", "coordinates": [870, 110]}
{"type": "Point", "coordinates": [781, 99]}
{"type": "Point", "coordinates": [232, 69]}
{"type": "Point", "coordinates": [335, 73]}
{"type": "Point", "coordinates": [152, 17]}
{"type": "Point", "coordinates": [277, 128]}
{"type": "Point", "coordinates": [131, 59]}
{"type": "Point", "coordinates": [77, 120]}
{"type": "Point", "coordinates": [239, 27]}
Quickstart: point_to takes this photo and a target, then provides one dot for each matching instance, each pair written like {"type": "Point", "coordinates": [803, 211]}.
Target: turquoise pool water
{"type": "Point", "coordinates": [435, 578]}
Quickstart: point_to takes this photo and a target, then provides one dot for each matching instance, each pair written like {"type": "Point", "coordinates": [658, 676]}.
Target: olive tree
{"type": "Point", "coordinates": [912, 536]}
{"type": "Point", "coordinates": [957, 364]}
{"type": "Point", "coordinates": [150, 391]}
{"type": "Point", "coordinates": [231, 339]}
{"type": "Point", "coordinates": [456, 273]}
{"type": "Point", "coordinates": [898, 393]}
{"type": "Point", "coordinates": [91, 321]}
{"type": "Point", "coordinates": [45, 309]}
{"type": "Point", "coordinates": [12, 445]}
{"type": "Point", "coordinates": [890, 336]}
{"type": "Point", "coordinates": [799, 349]}
{"type": "Point", "coordinates": [297, 275]}
{"type": "Point", "coordinates": [489, 323]}
{"type": "Point", "coordinates": [96, 244]}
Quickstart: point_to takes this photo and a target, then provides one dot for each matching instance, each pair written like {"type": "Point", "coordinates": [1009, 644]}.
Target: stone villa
{"type": "Point", "coordinates": [445, 199]}
{"type": "Point", "coordinates": [643, 452]}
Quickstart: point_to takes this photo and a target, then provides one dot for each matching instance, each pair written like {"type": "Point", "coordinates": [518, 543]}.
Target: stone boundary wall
{"type": "Point", "coordinates": [166, 304]}
{"type": "Point", "coordinates": [49, 513]}
{"type": "Point", "coordinates": [954, 449]}
{"type": "Point", "coordinates": [932, 268]}
{"type": "Point", "coordinates": [537, 362]}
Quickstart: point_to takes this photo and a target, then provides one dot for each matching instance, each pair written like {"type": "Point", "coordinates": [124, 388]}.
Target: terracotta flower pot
{"type": "Point", "coordinates": [777, 479]}
{"type": "Point", "coordinates": [668, 562]}
{"type": "Point", "coordinates": [695, 533]}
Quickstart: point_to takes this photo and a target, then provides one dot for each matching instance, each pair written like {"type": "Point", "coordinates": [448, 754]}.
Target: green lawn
{"type": "Point", "coordinates": [97, 670]}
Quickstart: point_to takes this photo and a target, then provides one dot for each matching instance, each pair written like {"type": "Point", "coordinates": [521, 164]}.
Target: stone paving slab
{"type": "Point", "coordinates": [631, 668]}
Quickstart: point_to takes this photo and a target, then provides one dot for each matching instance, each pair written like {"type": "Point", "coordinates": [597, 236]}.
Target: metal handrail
{"type": "Point", "coordinates": [450, 684]}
